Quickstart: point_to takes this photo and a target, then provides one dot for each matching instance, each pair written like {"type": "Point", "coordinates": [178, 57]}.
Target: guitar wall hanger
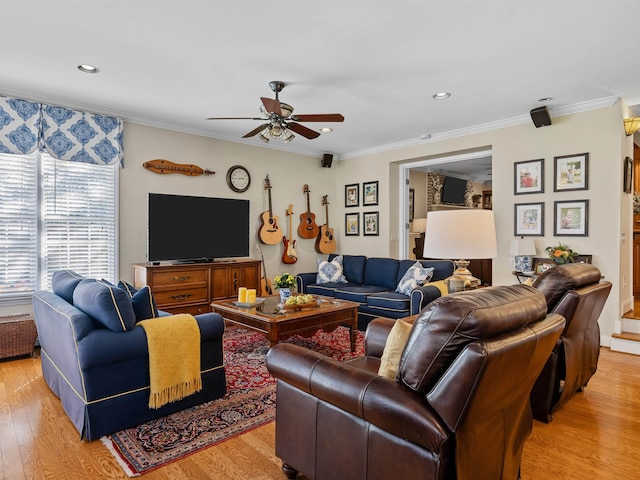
{"type": "Point", "coordinates": [165, 166]}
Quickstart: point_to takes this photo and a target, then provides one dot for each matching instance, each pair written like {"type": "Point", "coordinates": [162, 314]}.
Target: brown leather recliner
{"type": "Point", "coordinates": [573, 290]}
{"type": "Point", "coordinates": [458, 407]}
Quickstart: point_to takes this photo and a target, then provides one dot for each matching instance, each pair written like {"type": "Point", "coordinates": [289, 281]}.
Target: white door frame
{"type": "Point", "coordinates": [403, 190]}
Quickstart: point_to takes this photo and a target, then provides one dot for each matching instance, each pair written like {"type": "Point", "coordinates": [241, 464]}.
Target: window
{"type": "Point", "coordinates": [54, 214]}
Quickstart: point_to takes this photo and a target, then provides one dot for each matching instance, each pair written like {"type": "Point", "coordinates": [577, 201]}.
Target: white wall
{"type": "Point", "coordinates": [287, 173]}
{"type": "Point", "coordinates": [597, 132]}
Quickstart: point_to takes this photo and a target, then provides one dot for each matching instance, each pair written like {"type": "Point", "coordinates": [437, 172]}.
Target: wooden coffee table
{"type": "Point", "coordinates": [277, 325]}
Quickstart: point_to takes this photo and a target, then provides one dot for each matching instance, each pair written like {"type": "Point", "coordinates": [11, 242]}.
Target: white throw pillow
{"type": "Point", "coordinates": [416, 275]}
{"type": "Point", "coordinates": [330, 272]}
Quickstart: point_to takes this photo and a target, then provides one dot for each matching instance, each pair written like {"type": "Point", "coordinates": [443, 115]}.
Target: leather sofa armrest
{"type": "Point", "coordinates": [304, 279]}
{"type": "Point", "coordinates": [376, 335]}
{"type": "Point", "coordinates": [421, 296]}
{"type": "Point", "coordinates": [375, 399]}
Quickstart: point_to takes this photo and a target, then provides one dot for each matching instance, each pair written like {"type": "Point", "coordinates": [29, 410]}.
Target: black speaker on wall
{"type": "Point", "coordinates": [540, 117]}
{"type": "Point", "coordinates": [327, 159]}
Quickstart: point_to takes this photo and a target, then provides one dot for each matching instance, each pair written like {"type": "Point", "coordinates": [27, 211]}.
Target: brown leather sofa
{"type": "Point", "coordinates": [458, 407]}
{"type": "Point", "coordinates": [576, 292]}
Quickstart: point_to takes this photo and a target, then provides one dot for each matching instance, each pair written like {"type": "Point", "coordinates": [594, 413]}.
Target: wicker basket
{"type": "Point", "coordinates": [17, 335]}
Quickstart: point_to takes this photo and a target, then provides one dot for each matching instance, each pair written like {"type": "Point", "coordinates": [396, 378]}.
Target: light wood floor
{"type": "Point", "coordinates": [596, 436]}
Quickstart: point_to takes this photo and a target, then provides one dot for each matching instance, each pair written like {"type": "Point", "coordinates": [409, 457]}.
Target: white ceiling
{"type": "Point", "coordinates": [172, 64]}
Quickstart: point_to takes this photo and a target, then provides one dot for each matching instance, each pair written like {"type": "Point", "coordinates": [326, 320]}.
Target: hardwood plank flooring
{"type": "Point", "coordinates": [596, 436]}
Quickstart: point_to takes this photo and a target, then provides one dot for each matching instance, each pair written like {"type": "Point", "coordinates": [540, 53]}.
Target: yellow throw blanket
{"type": "Point", "coordinates": [174, 358]}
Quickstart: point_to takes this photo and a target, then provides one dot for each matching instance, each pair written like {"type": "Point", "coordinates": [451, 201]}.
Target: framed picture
{"type": "Point", "coordinates": [571, 172]}
{"type": "Point", "coordinates": [541, 265]}
{"type": "Point", "coordinates": [412, 193]}
{"type": "Point", "coordinates": [528, 219]}
{"type": "Point", "coordinates": [571, 218]}
{"type": "Point", "coordinates": [583, 259]}
{"type": "Point", "coordinates": [370, 221]}
{"type": "Point", "coordinates": [528, 177]}
{"type": "Point", "coordinates": [628, 175]}
{"type": "Point", "coordinates": [352, 195]}
{"type": "Point", "coordinates": [352, 224]}
{"type": "Point", "coordinates": [370, 193]}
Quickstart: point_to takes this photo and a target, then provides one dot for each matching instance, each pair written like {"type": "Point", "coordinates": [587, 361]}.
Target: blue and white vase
{"type": "Point", "coordinates": [284, 294]}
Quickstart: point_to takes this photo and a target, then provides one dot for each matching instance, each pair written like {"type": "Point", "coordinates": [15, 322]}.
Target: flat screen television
{"type": "Point", "coordinates": [453, 191]}
{"type": "Point", "coordinates": [183, 228]}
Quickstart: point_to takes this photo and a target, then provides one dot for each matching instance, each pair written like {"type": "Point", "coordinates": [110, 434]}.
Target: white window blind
{"type": "Point", "coordinates": [55, 215]}
{"type": "Point", "coordinates": [18, 224]}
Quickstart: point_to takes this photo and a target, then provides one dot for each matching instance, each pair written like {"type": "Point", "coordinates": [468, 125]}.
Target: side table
{"type": "Point", "coordinates": [17, 335]}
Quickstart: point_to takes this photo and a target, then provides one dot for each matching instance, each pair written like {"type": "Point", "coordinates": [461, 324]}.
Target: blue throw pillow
{"type": "Point", "coordinates": [416, 275]}
{"type": "Point", "coordinates": [330, 272]}
{"type": "Point", "coordinates": [127, 287]}
{"type": "Point", "coordinates": [144, 305]}
{"type": "Point", "coordinates": [108, 305]}
{"type": "Point", "coordinates": [64, 282]}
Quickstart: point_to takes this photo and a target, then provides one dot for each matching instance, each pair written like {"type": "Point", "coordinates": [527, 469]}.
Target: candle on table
{"type": "Point", "coordinates": [251, 295]}
{"type": "Point", "coordinates": [242, 294]}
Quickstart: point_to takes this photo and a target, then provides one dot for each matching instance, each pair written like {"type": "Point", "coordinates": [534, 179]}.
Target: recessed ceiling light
{"type": "Point", "coordinates": [545, 99]}
{"type": "Point", "coordinates": [326, 129]}
{"type": "Point", "coordinates": [441, 95]}
{"type": "Point", "coordinates": [87, 68]}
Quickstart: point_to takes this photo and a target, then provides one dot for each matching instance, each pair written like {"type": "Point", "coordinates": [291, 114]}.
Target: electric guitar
{"type": "Point", "coordinates": [265, 284]}
{"type": "Point", "coordinates": [326, 242]}
{"type": "Point", "coordinates": [269, 232]}
{"type": "Point", "coordinates": [289, 254]}
{"type": "Point", "coordinates": [308, 227]}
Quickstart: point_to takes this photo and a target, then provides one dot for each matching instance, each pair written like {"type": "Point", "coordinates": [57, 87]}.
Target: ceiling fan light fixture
{"type": "Point", "coordinates": [264, 135]}
{"type": "Point", "coordinates": [287, 136]}
{"type": "Point", "coordinates": [276, 131]}
{"type": "Point", "coordinates": [326, 129]}
{"type": "Point", "coordinates": [286, 109]}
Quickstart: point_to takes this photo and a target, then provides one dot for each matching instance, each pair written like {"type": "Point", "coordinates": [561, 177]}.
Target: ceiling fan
{"type": "Point", "coordinates": [280, 121]}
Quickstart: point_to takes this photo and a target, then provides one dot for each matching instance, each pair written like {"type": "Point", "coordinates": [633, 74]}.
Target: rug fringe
{"type": "Point", "coordinates": [126, 468]}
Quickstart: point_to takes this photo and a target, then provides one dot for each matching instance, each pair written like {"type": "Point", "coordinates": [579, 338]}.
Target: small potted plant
{"type": "Point", "coordinates": [285, 283]}
{"type": "Point", "coordinates": [561, 254]}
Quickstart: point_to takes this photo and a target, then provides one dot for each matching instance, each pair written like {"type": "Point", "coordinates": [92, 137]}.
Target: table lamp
{"type": "Point", "coordinates": [523, 249]}
{"type": "Point", "coordinates": [462, 234]}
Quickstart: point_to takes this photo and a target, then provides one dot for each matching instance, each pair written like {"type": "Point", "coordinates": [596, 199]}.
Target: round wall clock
{"type": "Point", "coordinates": [238, 178]}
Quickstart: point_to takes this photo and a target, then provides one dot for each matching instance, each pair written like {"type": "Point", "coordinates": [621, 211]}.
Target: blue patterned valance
{"type": "Point", "coordinates": [63, 133]}
{"type": "Point", "coordinates": [19, 126]}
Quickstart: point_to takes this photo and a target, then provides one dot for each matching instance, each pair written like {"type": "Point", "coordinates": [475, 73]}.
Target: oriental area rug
{"type": "Point", "coordinates": [250, 402]}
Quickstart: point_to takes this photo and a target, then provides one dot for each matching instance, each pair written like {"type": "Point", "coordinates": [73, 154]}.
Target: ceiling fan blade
{"type": "Point", "coordinates": [235, 118]}
{"type": "Point", "coordinates": [256, 130]}
{"type": "Point", "coordinates": [319, 117]}
{"type": "Point", "coordinates": [302, 130]}
{"type": "Point", "coordinates": [272, 105]}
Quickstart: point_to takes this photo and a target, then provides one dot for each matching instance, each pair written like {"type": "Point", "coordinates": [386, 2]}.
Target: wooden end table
{"type": "Point", "coordinates": [269, 319]}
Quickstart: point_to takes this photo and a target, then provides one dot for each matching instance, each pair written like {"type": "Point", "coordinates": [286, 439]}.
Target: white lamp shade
{"type": "Point", "coordinates": [461, 234]}
{"type": "Point", "coordinates": [522, 246]}
{"type": "Point", "coordinates": [419, 225]}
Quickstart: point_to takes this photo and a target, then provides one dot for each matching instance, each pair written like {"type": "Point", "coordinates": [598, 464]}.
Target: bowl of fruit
{"type": "Point", "coordinates": [298, 302]}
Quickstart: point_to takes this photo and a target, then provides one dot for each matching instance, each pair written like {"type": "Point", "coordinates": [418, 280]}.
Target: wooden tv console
{"type": "Point", "coordinates": [190, 288]}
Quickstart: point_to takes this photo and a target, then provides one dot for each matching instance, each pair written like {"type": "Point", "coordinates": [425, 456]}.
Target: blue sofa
{"type": "Point", "coordinates": [372, 283]}
{"type": "Point", "coordinates": [95, 357]}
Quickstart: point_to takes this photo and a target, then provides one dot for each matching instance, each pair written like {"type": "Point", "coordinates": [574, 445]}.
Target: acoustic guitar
{"type": "Point", "coordinates": [269, 232]}
{"type": "Point", "coordinates": [289, 254]}
{"type": "Point", "coordinates": [308, 227]}
{"type": "Point", "coordinates": [266, 288]}
{"type": "Point", "coordinates": [326, 242]}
